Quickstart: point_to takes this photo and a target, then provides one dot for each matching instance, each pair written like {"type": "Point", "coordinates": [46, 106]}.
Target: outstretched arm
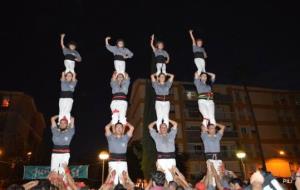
{"type": "Point", "coordinates": [131, 129]}
{"type": "Point", "coordinates": [174, 123]}
{"type": "Point", "coordinates": [62, 36]}
{"type": "Point", "coordinates": [53, 121]}
{"type": "Point", "coordinates": [192, 37]}
{"type": "Point", "coordinates": [222, 128]}
{"type": "Point", "coordinates": [107, 129]}
{"type": "Point", "coordinates": [152, 43]}
{"type": "Point", "coordinates": [153, 79]}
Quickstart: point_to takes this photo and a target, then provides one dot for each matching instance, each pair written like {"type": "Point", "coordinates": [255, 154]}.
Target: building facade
{"type": "Point", "coordinates": [276, 115]}
{"type": "Point", "coordinates": [21, 127]}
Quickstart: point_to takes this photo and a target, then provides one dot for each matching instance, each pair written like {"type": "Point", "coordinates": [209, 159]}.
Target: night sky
{"type": "Point", "coordinates": [261, 37]}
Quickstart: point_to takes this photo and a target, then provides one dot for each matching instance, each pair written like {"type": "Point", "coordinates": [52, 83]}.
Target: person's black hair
{"type": "Point", "coordinates": [72, 43]}
{"type": "Point", "coordinates": [15, 187]}
{"type": "Point", "coordinates": [45, 185]}
{"type": "Point", "coordinates": [159, 178]}
{"type": "Point", "coordinates": [69, 73]}
{"type": "Point", "coordinates": [236, 181]}
{"type": "Point", "coordinates": [120, 40]}
{"type": "Point", "coordinates": [173, 183]}
{"type": "Point", "coordinates": [119, 187]}
{"type": "Point", "coordinates": [180, 187]}
{"type": "Point", "coordinates": [208, 80]}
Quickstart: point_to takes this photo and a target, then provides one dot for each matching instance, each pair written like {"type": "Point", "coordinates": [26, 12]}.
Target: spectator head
{"type": "Point", "coordinates": [172, 185]}
{"type": "Point", "coordinates": [15, 187]}
{"type": "Point", "coordinates": [119, 187]}
{"type": "Point", "coordinates": [200, 186]}
{"type": "Point", "coordinates": [158, 178]}
{"type": "Point", "coordinates": [180, 187]}
{"type": "Point", "coordinates": [235, 184]}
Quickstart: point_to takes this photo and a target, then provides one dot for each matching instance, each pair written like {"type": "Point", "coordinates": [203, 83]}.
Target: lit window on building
{"type": "Point", "coordinates": [5, 102]}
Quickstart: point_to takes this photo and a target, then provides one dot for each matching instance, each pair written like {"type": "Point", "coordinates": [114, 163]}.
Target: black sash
{"type": "Point", "coordinates": [213, 155]}
{"type": "Point", "coordinates": [166, 155]}
{"type": "Point", "coordinates": [160, 59]}
{"type": "Point", "coordinates": [119, 96]}
{"type": "Point", "coordinates": [119, 57]}
{"type": "Point", "coordinates": [199, 55]}
{"type": "Point", "coordinates": [117, 157]}
{"type": "Point", "coordinates": [162, 98]}
{"type": "Point", "coordinates": [61, 149]}
{"type": "Point", "coordinates": [66, 94]}
{"type": "Point", "coordinates": [70, 57]}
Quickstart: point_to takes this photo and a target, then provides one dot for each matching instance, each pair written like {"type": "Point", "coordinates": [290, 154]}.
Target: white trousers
{"type": "Point", "coordinates": [120, 66]}
{"type": "Point", "coordinates": [118, 110]}
{"type": "Point", "coordinates": [200, 64]}
{"type": "Point", "coordinates": [70, 66]}
{"type": "Point", "coordinates": [166, 165]}
{"type": "Point", "coordinates": [57, 161]}
{"type": "Point", "coordinates": [207, 109]}
{"type": "Point", "coordinates": [217, 164]}
{"type": "Point", "coordinates": [162, 112]}
{"type": "Point", "coordinates": [65, 108]}
{"type": "Point", "coordinates": [119, 167]}
{"type": "Point", "coordinates": [161, 68]}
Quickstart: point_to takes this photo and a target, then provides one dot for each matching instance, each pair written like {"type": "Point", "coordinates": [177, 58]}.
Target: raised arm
{"type": "Point", "coordinates": [107, 40]}
{"type": "Point", "coordinates": [152, 43]}
{"type": "Point", "coordinates": [171, 79]}
{"type": "Point", "coordinates": [114, 76]}
{"type": "Point", "coordinates": [153, 77]}
{"type": "Point", "coordinates": [72, 122]}
{"type": "Point", "coordinates": [131, 129]}
{"type": "Point", "coordinates": [107, 129]}
{"type": "Point", "coordinates": [212, 75]}
{"type": "Point", "coordinates": [222, 128]}
{"type": "Point", "coordinates": [62, 77]}
{"type": "Point", "coordinates": [196, 75]}
{"type": "Point", "coordinates": [174, 123]}
{"type": "Point", "coordinates": [192, 37]}
{"type": "Point", "coordinates": [74, 77]}
{"type": "Point", "coordinates": [53, 121]}
{"type": "Point", "coordinates": [217, 178]}
{"type": "Point", "coordinates": [62, 36]}
{"type": "Point", "coordinates": [151, 125]}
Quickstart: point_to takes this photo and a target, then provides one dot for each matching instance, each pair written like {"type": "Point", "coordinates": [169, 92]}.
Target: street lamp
{"type": "Point", "coordinates": [103, 155]}
{"type": "Point", "coordinates": [281, 152]}
{"type": "Point", "coordinates": [241, 155]}
{"type": "Point", "coordinates": [1, 152]}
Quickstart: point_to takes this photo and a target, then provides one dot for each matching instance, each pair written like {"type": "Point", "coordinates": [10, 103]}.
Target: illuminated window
{"type": "Point", "coordinates": [5, 102]}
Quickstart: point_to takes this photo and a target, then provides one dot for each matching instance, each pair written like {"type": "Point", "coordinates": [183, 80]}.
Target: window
{"type": "Point", "coordinates": [237, 96]}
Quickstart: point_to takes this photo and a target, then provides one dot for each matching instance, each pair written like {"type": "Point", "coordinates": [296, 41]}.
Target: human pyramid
{"type": "Point", "coordinates": [118, 131]}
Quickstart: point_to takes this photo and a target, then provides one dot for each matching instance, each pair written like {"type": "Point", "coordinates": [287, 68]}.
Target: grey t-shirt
{"type": "Point", "coordinates": [202, 87]}
{"type": "Point", "coordinates": [62, 138]}
{"type": "Point", "coordinates": [119, 51]}
{"type": "Point", "coordinates": [117, 145]}
{"type": "Point", "coordinates": [198, 49]}
{"type": "Point", "coordinates": [162, 89]}
{"type": "Point", "coordinates": [164, 143]}
{"type": "Point", "coordinates": [161, 52]}
{"type": "Point", "coordinates": [68, 86]}
{"type": "Point", "coordinates": [123, 88]}
{"type": "Point", "coordinates": [211, 143]}
{"type": "Point", "coordinates": [67, 51]}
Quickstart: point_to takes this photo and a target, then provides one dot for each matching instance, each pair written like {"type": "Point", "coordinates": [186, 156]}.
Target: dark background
{"type": "Point", "coordinates": [260, 37]}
